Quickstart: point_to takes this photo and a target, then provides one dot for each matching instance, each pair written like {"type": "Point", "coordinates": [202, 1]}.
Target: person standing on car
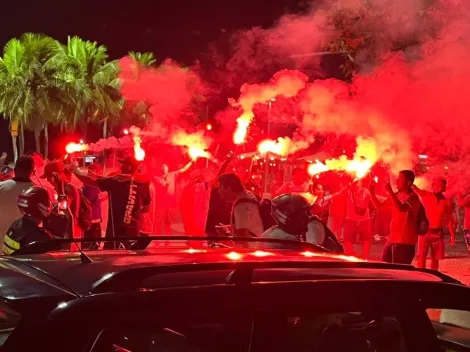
{"type": "Point", "coordinates": [9, 191]}
{"type": "Point", "coordinates": [246, 219]}
{"type": "Point", "coordinates": [440, 214]}
{"type": "Point", "coordinates": [129, 197]}
{"type": "Point", "coordinates": [35, 205]}
{"type": "Point", "coordinates": [405, 205]}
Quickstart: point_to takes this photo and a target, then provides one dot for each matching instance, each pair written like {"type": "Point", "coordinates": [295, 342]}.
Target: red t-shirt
{"type": "Point", "coordinates": [403, 225]}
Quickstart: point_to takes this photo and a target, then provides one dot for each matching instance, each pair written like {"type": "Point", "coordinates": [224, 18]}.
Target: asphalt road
{"type": "Point", "coordinates": [456, 263]}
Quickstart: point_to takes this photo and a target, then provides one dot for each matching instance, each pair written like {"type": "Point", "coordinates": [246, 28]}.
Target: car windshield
{"type": "Point", "coordinates": [9, 319]}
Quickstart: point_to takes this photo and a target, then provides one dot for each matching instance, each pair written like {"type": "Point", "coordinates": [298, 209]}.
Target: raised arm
{"type": "Point", "coordinates": [420, 192]}
{"type": "Point", "coordinates": [376, 202]}
{"type": "Point", "coordinates": [403, 207]}
{"type": "Point", "coordinates": [223, 168]}
{"type": "Point", "coordinates": [184, 168]}
{"type": "Point", "coordinates": [85, 179]}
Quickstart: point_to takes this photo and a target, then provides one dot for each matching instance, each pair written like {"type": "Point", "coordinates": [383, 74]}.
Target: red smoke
{"type": "Point", "coordinates": [409, 101]}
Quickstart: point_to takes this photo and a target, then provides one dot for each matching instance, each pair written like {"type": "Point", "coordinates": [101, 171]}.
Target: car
{"type": "Point", "coordinates": [243, 298]}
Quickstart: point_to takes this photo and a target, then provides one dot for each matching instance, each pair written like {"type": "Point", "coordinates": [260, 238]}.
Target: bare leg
{"type": "Point", "coordinates": [434, 263]}
{"type": "Point", "coordinates": [366, 249]}
{"type": "Point", "coordinates": [348, 248]}
{"type": "Point", "coordinates": [421, 260]}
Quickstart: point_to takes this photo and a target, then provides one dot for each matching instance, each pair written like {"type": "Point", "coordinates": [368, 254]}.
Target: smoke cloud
{"type": "Point", "coordinates": [410, 94]}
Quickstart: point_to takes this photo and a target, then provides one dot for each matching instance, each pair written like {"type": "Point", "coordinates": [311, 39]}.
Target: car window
{"type": "Point", "coordinates": [9, 319]}
{"type": "Point", "coordinates": [189, 338]}
{"type": "Point", "coordinates": [334, 332]}
{"type": "Point", "coordinates": [454, 317]}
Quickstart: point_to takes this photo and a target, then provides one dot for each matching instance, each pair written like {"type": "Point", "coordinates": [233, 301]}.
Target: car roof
{"type": "Point", "coordinates": [68, 269]}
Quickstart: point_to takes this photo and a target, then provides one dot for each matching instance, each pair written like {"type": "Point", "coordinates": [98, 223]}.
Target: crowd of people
{"type": "Point", "coordinates": [43, 200]}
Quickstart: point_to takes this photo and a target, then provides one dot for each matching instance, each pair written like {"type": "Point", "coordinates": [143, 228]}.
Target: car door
{"type": "Point", "coordinates": [449, 312]}
{"type": "Point", "coordinates": [183, 319]}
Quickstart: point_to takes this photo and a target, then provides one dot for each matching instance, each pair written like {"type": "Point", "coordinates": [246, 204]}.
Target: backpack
{"type": "Point", "coordinates": [264, 206]}
{"type": "Point", "coordinates": [330, 242]}
{"type": "Point", "coordinates": [83, 214]}
{"type": "Point", "coordinates": [422, 222]}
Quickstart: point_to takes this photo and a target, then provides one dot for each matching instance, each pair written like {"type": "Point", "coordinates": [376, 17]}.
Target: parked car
{"type": "Point", "coordinates": [224, 299]}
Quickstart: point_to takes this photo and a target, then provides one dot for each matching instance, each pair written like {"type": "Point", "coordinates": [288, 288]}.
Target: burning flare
{"type": "Point", "coordinates": [364, 158]}
{"type": "Point", "coordinates": [196, 143]}
{"type": "Point", "coordinates": [75, 148]}
{"type": "Point", "coordinates": [243, 122]}
{"type": "Point", "coordinates": [139, 153]}
{"type": "Point", "coordinates": [281, 146]}
{"type": "Point", "coordinates": [286, 83]}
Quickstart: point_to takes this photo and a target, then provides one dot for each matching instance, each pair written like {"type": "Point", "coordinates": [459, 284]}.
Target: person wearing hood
{"type": "Point", "coordinates": [129, 197]}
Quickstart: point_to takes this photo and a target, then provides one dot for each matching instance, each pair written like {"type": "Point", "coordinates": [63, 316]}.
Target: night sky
{"type": "Point", "coordinates": [175, 29]}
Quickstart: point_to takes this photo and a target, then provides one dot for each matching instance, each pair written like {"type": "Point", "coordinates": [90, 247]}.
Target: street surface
{"type": "Point", "coordinates": [456, 263]}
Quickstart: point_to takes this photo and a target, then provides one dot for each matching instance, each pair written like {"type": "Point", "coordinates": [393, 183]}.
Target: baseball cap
{"type": "Point", "coordinates": [130, 161]}
{"type": "Point", "coordinates": [51, 167]}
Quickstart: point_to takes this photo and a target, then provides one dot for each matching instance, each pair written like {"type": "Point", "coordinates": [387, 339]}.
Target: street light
{"type": "Point", "coordinates": [266, 167]}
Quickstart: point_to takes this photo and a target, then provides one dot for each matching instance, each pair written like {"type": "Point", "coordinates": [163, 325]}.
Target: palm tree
{"type": "Point", "coordinates": [28, 90]}
{"type": "Point", "coordinates": [90, 81]}
{"type": "Point", "coordinates": [144, 59]}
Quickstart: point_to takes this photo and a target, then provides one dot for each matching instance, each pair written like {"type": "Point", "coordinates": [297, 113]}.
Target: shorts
{"type": "Point", "coordinates": [352, 228]}
{"type": "Point", "coordinates": [398, 253]}
{"type": "Point", "coordinates": [433, 241]}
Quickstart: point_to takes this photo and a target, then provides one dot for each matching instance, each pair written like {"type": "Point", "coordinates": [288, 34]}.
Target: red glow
{"type": "Point", "coordinates": [125, 131]}
{"type": "Point", "coordinates": [234, 256]}
{"type": "Point", "coordinates": [282, 146]}
{"type": "Point", "coordinates": [285, 83]}
{"type": "Point", "coordinates": [193, 251]}
{"type": "Point", "coordinates": [310, 254]}
{"type": "Point", "coordinates": [196, 143]}
{"type": "Point", "coordinates": [262, 254]}
{"type": "Point", "coordinates": [75, 148]}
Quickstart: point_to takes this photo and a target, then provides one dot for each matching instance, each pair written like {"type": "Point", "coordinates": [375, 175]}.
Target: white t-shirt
{"type": "Point", "coordinates": [277, 233]}
{"type": "Point", "coordinates": [315, 233]}
{"type": "Point", "coordinates": [246, 215]}
{"type": "Point", "coordinates": [9, 191]}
